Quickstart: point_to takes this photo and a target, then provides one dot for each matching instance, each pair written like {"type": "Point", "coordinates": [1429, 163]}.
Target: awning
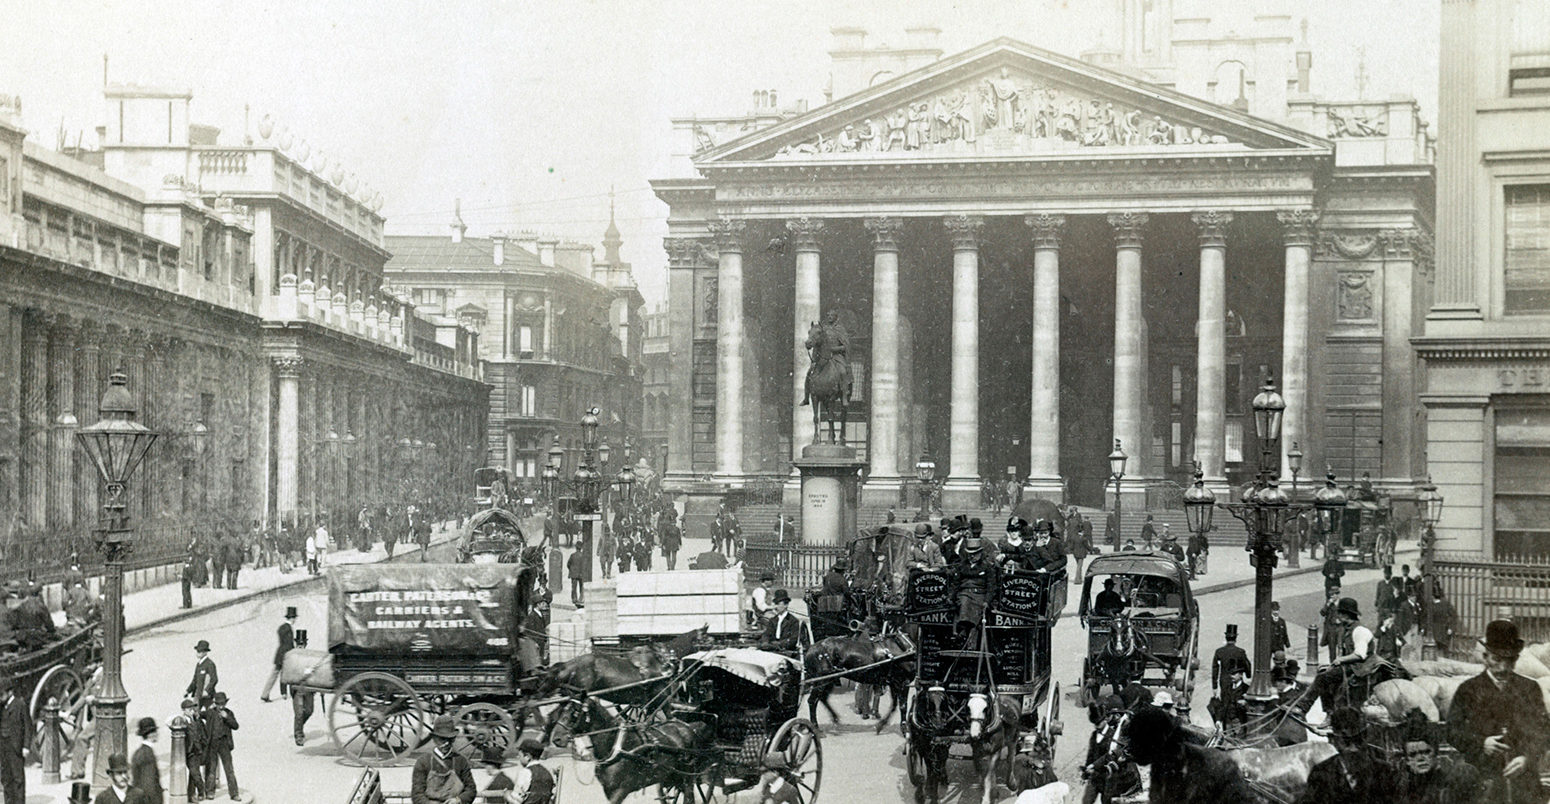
{"type": "Point", "coordinates": [758, 666]}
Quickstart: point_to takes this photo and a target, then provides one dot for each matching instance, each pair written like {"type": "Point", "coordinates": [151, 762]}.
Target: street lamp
{"type": "Point", "coordinates": [116, 445]}
{"type": "Point", "coordinates": [1431, 512]}
{"type": "Point", "coordinates": [1117, 460]}
{"type": "Point", "coordinates": [604, 452]}
{"type": "Point", "coordinates": [1294, 550]}
{"type": "Point", "coordinates": [925, 472]}
{"type": "Point", "coordinates": [1199, 507]}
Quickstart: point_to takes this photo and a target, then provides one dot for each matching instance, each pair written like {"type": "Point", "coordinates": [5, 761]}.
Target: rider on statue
{"type": "Point", "coordinates": [838, 342]}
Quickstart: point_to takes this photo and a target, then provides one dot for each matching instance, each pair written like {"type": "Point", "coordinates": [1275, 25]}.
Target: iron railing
{"type": "Point", "coordinates": [44, 556]}
{"type": "Point", "coordinates": [799, 566]}
{"type": "Point", "coordinates": [1484, 589]}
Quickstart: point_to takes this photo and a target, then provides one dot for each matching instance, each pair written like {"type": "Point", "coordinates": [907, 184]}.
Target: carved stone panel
{"type": "Point", "coordinates": [1353, 296]}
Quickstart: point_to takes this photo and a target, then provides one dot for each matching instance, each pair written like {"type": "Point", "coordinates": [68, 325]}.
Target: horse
{"type": "Point", "coordinates": [671, 754]}
{"type": "Point", "coordinates": [993, 729]}
{"type": "Point", "coordinates": [1125, 646]}
{"type": "Point", "coordinates": [633, 678]}
{"type": "Point", "coordinates": [827, 387]}
{"type": "Point", "coordinates": [856, 657]}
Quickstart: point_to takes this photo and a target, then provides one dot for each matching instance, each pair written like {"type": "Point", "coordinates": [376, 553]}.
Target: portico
{"type": "Point", "coordinates": [1025, 273]}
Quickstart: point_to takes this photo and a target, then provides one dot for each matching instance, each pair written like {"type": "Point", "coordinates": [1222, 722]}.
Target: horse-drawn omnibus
{"type": "Point", "coordinates": [1366, 536]}
{"type": "Point", "coordinates": [1148, 634]}
{"type": "Point", "coordinates": [980, 696]}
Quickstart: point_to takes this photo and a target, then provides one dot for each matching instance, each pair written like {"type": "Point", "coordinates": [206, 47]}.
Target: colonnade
{"type": "Point", "coordinates": [964, 232]}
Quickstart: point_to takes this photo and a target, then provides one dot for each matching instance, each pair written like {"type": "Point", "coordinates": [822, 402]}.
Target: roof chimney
{"type": "Point", "coordinates": [459, 228]}
{"type": "Point", "coordinates": [498, 240]}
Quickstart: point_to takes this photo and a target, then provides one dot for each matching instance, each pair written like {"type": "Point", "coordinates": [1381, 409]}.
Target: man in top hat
{"type": "Point", "coordinates": [202, 687]}
{"type": "Point", "coordinates": [1352, 775]}
{"type": "Point", "coordinates": [1149, 533]}
{"type": "Point", "coordinates": [1229, 659]}
{"type": "Point", "coordinates": [441, 775]}
{"type": "Point", "coordinates": [15, 735]}
{"type": "Point", "coordinates": [785, 632]}
{"type": "Point", "coordinates": [1499, 723]}
{"type": "Point", "coordinates": [144, 774]}
{"type": "Point", "coordinates": [119, 790]}
{"type": "Point", "coordinates": [671, 537]}
{"type": "Point", "coordinates": [286, 636]}
{"type": "Point", "coordinates": [1183, 773]}
{"type": "Point", "coordinates": [976, 578]}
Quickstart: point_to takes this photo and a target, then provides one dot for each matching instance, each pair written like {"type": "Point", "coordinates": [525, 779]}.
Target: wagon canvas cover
{"type": "Point", "coordinates": [463, 609]}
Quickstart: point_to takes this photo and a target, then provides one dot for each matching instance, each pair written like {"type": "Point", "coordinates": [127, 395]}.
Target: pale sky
{"type": "Point", "coordinates": [530, 111]}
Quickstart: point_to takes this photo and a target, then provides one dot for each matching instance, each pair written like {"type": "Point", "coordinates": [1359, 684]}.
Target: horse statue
{"type": "Point", "coordinates": [828, 384]}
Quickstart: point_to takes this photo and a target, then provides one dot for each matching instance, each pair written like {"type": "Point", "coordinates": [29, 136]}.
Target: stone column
{"type": "Point", "coordinates": [511, 451]}
{"type": "Point", "coordinates": [883, 479]}
{"type": "Point", "coordinates": [683, 254]}
{"type": "Point", "coordinates": [1211, 348]}
{"type": "Point", "coordinates": [287, 372]}
{"type": "Point", "coordinates": [1403, 267]}
{"type": "Point", "coordinates": [88, 395]}
{"type": "Point", "coordinates": [729, 347]}
{"type": "Point", "coordinates": [1044, 425]}
{"type": "Point", "coordinates": [806, 309]}
{"type": "Point", "coordinates": [1128, 334]}
{"type": "Point", "coordinates": [61, 469]}
{"type": "Point", "coordinates": [963, 481]}
{"type": "Point", "coordinates": [34, 486]}
{"type": "Point", "coordinates": [1297, 236]}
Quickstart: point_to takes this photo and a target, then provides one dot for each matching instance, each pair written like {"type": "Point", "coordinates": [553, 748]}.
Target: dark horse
{"type": "Point", "coordinates": [827, 387]}
{"type": "Point", "coordinates": [632, 678]}
{"type": "Point", "coordinates": [848, 655]}
{"type": "Point", "coordinates": [990, 725]}
{"type": "Point", "coordinates": [672, 754]}
{"type": "Point", "coordinates": [1125, 646]}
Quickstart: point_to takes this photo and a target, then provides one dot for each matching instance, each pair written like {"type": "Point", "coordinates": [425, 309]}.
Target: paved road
{"type": "Point", "coordinates": [859, 766]}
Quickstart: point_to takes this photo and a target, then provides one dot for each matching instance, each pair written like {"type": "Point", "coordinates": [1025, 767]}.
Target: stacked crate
{"type": "Point", "coordinates": [602, 611]}
{"type": "Point", "coordinates": [672, 602]}
{"type": "Point", "coordinates": [568, 639]}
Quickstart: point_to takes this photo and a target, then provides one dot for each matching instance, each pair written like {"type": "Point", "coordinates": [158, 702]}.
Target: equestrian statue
{"type": "Point", "coordinates": [829, 380]}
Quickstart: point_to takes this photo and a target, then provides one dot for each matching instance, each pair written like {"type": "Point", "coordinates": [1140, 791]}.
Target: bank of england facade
{"type": "Point", "coordinates": [1035, 255]}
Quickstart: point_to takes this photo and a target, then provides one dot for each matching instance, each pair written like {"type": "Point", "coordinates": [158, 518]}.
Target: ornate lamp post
{"type": "Point", "coordinates": [1293, 550]}
{"type": "Point", "coordinates": [1264, 509]}
{"type": "Point", "coordinates": [116, 445]}
{"type": "Point", "coordinates": [1199, 505]}
{"type": "Point", "coordinates": [925, 472]}
{"type": "Point", "coordinates": [1431, 512]}
{"type": "Point", "coordinates": [1117, 460]}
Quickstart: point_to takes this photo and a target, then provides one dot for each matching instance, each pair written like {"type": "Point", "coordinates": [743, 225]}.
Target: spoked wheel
{"type": "Point", "coordinates": [66, 687]}
{"type": "Point", "coordinates": [915, 765]}
{"type": "Point", "coordinates": [482, 727]}
{"type": "Point", "coordinates": [798, 740]}
{"type": "Point", "coordinates": [698, 789]}
{"type": "Point", "coordinates": [375, 718]}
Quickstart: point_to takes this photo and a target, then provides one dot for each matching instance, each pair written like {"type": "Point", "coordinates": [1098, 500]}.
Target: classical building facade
{"type": "Point", "coordinates": [1034, 255]}
{"type": "Point", "coordinates": [658, 407]}
{"type": "Point", "coordinates": [559, 333]}
{"type": "Point", "coordinates": [240, 291]}
{"type": "Point", "coordinates": [1486, 342]}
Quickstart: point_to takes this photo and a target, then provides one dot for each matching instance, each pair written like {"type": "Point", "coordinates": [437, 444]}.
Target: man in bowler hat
{"type": "Point", "coordinates": [785, 632]}
{"type": "Point", "coordinates": [202, 687]}
{"type": "Point", "coordinates": [442, 775]}
{"type": "Point", "coordinates": [219, 724]}
{"type": "Point", "coordinates": [144, 773]}
{"type": "Point", "coordinates": [1499, 723]}
{"type": "Point", "coordinates": [119, 790]}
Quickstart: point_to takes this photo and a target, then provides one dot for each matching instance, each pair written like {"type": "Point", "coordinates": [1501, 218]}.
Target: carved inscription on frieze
{"type": "Point", "coordinates": [1015, 187]}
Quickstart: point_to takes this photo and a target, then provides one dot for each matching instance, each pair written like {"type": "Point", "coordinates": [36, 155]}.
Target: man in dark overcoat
{"type": "Point", "coordinates": [1183, 773]}
{"type": "Point", "coordinates": [1499, 723]}
{"type": "Point", "coordinates": [1351, 776]}
{"type": "Point", "coordinates": [202, 687]}
{"type": "Point", "coordinates": [15, 735]}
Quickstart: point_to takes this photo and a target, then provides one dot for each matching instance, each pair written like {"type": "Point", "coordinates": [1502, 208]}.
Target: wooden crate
{"type": "Point", "coordinates": [668, 603]}
{"type": "Point", "coordinates": [602, 610]}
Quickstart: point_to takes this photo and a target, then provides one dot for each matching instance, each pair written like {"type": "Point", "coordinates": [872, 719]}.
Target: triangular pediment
{"type": "Point", "coordinates": [1008, 98]}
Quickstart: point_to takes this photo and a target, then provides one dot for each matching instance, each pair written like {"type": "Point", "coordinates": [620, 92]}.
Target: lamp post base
{"type": "Point", "coordinates": [112, 736]}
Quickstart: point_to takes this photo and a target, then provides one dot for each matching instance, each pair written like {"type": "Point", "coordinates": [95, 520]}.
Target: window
{"type": "Point", "coordinates": [1527, 264]}
{"type": "Point", "coordinates": [527, 404]}
{"type": "Point", "coordinates": [430, 297]}
{"type": "Point", "coordinates": [1528, 81]}
{"type": "Point", "coordinates": [525, 340]}
{"type": "Point", "coordinates": [1521, 500]}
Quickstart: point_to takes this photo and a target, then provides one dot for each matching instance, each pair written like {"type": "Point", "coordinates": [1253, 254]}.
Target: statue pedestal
{"type": "Point", "coordinates": [830, 484]}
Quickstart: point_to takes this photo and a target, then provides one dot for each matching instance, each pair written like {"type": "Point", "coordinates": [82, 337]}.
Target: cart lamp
{"type": "Point", "coordinates": [925, 468]}
{"type": "Point", "coordinates": [1268, 409]}
{"type": "Point", "coordinates": [603, 452]}
{"type": "Point", "coordinates": [117, 443]}
{"type": "Point", "coordinates": [1294, 459]}
{"type": "Point", "coordinates": [1431, 503]}
{"type": "Point", "coordinates": [1199, 504]}
{"type": "Point", "coordinates": [1117, 460]}
{"type": "Point", "coordinates": [1329, 505]}
{"type": "Point", "coordinates": [556, 456]}
{"type": "Point", "coordinates": [589, 428]}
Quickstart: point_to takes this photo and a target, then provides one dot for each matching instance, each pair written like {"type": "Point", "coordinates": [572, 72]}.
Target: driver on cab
{"type": "Point", "coordinates": [1109, 602]}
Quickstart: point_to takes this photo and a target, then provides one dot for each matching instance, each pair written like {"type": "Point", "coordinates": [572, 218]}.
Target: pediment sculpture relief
{"type": "Point", "coordinates": [1003, 112]}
